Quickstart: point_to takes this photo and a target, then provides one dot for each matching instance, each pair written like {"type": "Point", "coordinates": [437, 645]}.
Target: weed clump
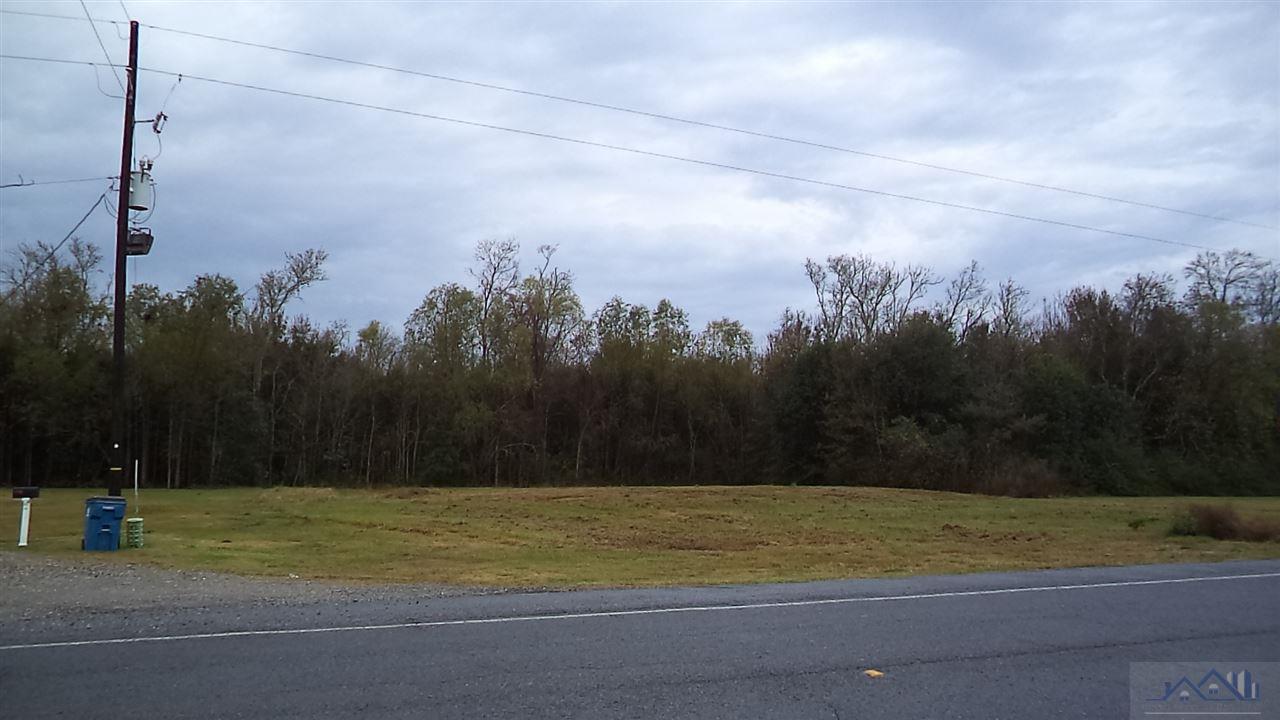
{"type": "Point", "coordinates": [1222, 522]}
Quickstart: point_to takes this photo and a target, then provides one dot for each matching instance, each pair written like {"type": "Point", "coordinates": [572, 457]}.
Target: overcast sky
{"type": "Point", "coordinates": [1175, 104]}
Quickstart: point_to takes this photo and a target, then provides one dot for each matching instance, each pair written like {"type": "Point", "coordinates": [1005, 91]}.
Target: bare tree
{"type": "Point", "coordinates": [1265, 305]}
{"type": "Point", "coordinates": [794, 333]}
{"type": "Point", "coordinates": [1225, 278]}
{"type": "Point", "coordinates": [549, 310]}
{"type": "Point", "coordinates": [277, 287]}
{"type": "Point", "coordinates": [911, 285]}
{"type": "Point", "coordinates": [1010, 310]}
{"type": "Point", "coordinates": [832, 296]}
{"type": "Point", "coordinates": [496, 273]}
{"type": "Point", "coordinates": [871, 287]}
{"type": "Point", "coordinates": [1142, 294]}
{"type": "Point", "coordinates": [859, 298]}
{"type": "Point", "coordinates": [1143, 301]}
{"type": "Point", "coordinates": [967, 301]}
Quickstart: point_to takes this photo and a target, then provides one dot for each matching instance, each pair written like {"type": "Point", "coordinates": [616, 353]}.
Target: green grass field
{"type": "Point", "coordinates": [631, 536]}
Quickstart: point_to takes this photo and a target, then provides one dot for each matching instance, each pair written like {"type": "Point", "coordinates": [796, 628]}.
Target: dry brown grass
{"type": "Point", "coordinates": [1222, 522]}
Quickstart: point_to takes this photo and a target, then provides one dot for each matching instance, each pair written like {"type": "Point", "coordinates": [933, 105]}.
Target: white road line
{"type": "Point", "coordinates": [625, 613]}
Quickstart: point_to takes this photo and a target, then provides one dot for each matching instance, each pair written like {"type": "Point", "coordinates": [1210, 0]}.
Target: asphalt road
{"type": "Point", "coordinates": [1053, 644]}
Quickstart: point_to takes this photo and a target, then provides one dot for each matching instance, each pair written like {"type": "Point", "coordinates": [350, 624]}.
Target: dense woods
{"type": "Point", "coordinates": [895, 376]}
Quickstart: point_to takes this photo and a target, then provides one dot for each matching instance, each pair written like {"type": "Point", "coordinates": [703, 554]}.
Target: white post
{"type": "Point", "coordinates": [25, 523]}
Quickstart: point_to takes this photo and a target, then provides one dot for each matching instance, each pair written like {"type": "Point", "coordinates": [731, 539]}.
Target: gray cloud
{"type": "Point", "coordinates": [1170, 104]}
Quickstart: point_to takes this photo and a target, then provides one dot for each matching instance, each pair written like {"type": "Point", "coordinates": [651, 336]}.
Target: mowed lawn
{"type": "Point", "coordinates": [574, 537]}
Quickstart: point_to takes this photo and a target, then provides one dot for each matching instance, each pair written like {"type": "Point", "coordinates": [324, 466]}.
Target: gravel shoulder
{"type": "Point", "coordinates": [38, 592]}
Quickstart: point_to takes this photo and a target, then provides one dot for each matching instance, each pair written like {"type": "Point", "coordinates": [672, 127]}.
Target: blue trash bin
{"type": "Point", "coordinates": [102, 519]}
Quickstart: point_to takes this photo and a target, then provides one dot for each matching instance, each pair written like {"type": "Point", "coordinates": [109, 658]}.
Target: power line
{"type": "Point", "coordinates": [97, 79]}
{"type": "Point", "coordinates": [127, 18]}
{"type": "Point", "coordinates": [29, 183]}
{"type": "Point", "coordinates": [678, 158]}
{"type": "Point", "coordinates": [57, 247]}
{"type": "Point", "coordinates": [682, 120]}
{"type": "Point", "coordinates": [636, 151]}
{"type": "Point", "coordinates": [94, 27]}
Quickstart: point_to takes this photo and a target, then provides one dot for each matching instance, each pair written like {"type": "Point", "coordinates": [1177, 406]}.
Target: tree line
{"type": "Point", "coordinates": [895, 376]}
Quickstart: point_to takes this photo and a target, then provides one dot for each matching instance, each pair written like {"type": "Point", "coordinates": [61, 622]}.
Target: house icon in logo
{"type": "Point", "coordinates": [1235, 686]}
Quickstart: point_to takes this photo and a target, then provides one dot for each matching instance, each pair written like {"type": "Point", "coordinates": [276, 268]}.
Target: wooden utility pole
{"type": "Point", "coordinates": [118, 462]}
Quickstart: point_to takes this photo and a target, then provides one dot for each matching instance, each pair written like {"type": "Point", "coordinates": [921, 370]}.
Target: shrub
{"type": "Point", "coordinates": [1222, 522]}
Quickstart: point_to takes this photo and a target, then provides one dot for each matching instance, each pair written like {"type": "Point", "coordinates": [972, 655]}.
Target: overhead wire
{"type": "Point", "coordinates": [159, 148]}
{"type": "Point", "coordinates": [93, 26]}
{"type": "Point", "coordinates": [110, 205]}
{"type": "Point", "coordinates": [56, 248]}
{"type": "Point", "coordinates": [647, 153]}
{"type": "Point", "coordinates": [169, 94]}
{"type": "Point", "coordinates": [708, 125]}
{"type": "Point", "coordinates": [97, 79]}
{"type": "Point", "coordinates": [29, 183]}
{"type": "Point", "coordinates": [686, 121]}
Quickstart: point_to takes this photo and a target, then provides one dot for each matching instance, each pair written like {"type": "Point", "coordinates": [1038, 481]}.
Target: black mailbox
{"type": "Point", "coordinates": [26, 492]}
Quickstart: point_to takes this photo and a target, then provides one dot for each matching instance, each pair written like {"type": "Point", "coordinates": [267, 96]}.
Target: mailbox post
{"type": "Point", "coordinates": [25, 494]}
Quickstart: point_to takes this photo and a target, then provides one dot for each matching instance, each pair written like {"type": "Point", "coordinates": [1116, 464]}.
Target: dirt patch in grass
{"type": "Point", "coordinates": [663, 539]}
{"type": "Point", "coordinates": [1004, 537]}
